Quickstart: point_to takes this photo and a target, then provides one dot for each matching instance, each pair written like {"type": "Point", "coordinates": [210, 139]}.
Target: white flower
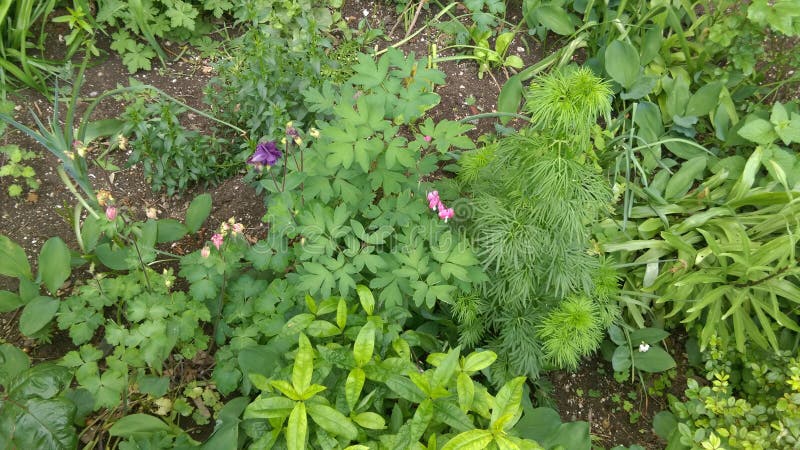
{"type": "Point", "coordinates": [643, 347]}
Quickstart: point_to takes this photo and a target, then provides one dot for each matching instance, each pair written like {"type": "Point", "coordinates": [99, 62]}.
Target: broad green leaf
{"type": "Point", "coordinates": [477, 361]}
{"type": "Point", "coordinates": [170, 230]}
{"type": "Point", "coordinates": [297, 428]}
{"type": "Point", "coordinates": [370, 420]}
{"type": "Point", "coordinates": [622, 63]}
{"type": "Point", "coordinates": [37, 423]}
{"type": "Point", "coordinates": [648, 335]}
{"type": "Point", "coordinates": [508, 401]}
{"type": "Point", "coordinates": [137, 425]}
{"type": "Point", "coordinates": [37, 314]}
{"type": "Point", "coordinates": [470, 440]}
{"type": "Point", "coordinates": [9, 301]}
{"type": "Point", "coordinates": [115, 259]}
{"type": "Point", "coordinates": [683, 180]}
{"type": "Point", "coordinates": [366, 298]}
{"type": "Point", "coordinates": [502, 42]}
{"type": "Point", "coordinates": [322, 328]}
{"type": "Point", "coordinates": [510, 96]}
{"type": "Point", "coordinates": [286, 389]}
{"type": "Point", "coordinates": [655, 359]}
{"type": "Point", "coordinates": [54, 264]}
{"type": "Point", "coordinates": [405, 388]}
{"type": "Point", "coordinates": [465, 388]}
{"type": "Point", "coordinates": [198, 212]}
{"type": "Point", "coordinates": [341, 314]}
{"type": "Point", "coordinates": [13, 362]}
{"type": "Point", "coordinates": [353, 386]}
{"type": "Point", "coordinates": [13, 262]}
{"type": "Point", "coordinates": [444, 372]}
{"type": "Point", "coordinates": [664, 423]}
{"type": "Point", "coordinates": [303, 367]}
{"type": "Point", "coordinates": [704, 100]}
{"type": "Point", "coordinates": [759, 131]}
{"type": "Point", "coordinates": [332, 421]}
{"type": "Point", "coordinates": [621, 359]}
{"type": "Point", "coordinates": [449, 413]}
{"type": "Point", "coordinates": [746, 180]}
{"type": "Point", "coordinates": [269, 408]}
{"type": "Point", "coordinates": [555, 19]}
{"type": "Point", "coordinates": [364, 344]}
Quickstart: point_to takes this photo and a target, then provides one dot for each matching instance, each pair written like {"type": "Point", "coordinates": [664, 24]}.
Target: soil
{"type": "Point", "coordinates": [35, 217]}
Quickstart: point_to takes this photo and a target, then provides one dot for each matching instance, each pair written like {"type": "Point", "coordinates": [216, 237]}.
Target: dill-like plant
{"type": "Point", "coordinates": [533, 197]}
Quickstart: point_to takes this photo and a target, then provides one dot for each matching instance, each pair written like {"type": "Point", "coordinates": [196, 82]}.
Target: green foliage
{"type": "Point", "coordinates": [35, 408]}
{"type": "Point", "coordinates": [18, 63]}
{"type": "Point", "coordinates": [722, 254]}
{"type": "Point", "coordinates": [368, 376]}
{"type": "Point", "coordinates": [12, 165]}
{"type": "Point", "coordinates": [533, 197]}
{"type": "Point", "coordinates": [749, 401]}
{"type": "Point", "coordinates": [351, 209]}
{"type": "Point", "coordinates": [141, 24]}
{"type": "Point", "coordinates": [173, 157]}
{"type": "Point", "coordinates": [283, 53]}
{"type": "Point", "coordinates": [639, 350]}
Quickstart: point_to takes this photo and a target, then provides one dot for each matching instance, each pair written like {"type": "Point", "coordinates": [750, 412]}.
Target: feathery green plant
{"type": "Point", "coordinates": [533, 195]}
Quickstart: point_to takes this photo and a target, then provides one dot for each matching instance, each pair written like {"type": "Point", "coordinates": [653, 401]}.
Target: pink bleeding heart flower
{"type": "Point", "coordinates": [446, 213]}
{"type": "Point", "coordinates": [216, 239]}
{"type": "Point", "coordinates": [433, 200]}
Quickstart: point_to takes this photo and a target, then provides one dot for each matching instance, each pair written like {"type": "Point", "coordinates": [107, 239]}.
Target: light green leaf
{"type": "Point", "coordinates": [353, 386]}
{"type": "Point", "coordinates": [364, 344]}
{"type": "Point", "coordinates": [269, 408]}
{"type": "Point", "coordinates": [704, 100]}
{"type": "Point", "coordinates": [470, 440]}
{"type": "Point", "coordinates": [366, 298]}
{"type": "Point", "coordinates": [476, 361]}
{"type": "Point", "coordinates": [759, 131]}
{"type": "Point", "coordinates": [303, 367]}
{"type": "Point", "coordinates": [370, 420]}
{"type": "Point", "coordinates": [170, 230]}
{"type": "Point", "coordinates": [297, 428]}
{"type": "Point", "coordinates": [332, 421]}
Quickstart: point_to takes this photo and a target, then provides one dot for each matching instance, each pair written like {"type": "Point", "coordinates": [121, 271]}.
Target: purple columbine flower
{"type": "Point", "coordinates": [266, 154]}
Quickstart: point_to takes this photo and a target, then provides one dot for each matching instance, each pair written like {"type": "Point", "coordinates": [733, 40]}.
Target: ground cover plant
{"type": "Point", "coordinates": [408, 259]}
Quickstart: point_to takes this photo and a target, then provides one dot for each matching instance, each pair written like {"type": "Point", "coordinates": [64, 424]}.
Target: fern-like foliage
{"type": "Point", "coordinates": [533, 196]}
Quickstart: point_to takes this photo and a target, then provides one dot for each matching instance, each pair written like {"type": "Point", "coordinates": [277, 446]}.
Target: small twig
{"type": "Point", "coordinates": [416, 16]}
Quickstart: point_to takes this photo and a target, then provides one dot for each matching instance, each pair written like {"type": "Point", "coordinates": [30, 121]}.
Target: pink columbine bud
{"type": "Point", "coordinates": [446, 213]}
{"type": "Point", "coordinates": [427, 138]}
{"type": "Point", "coordinates": [111, 213]}
{"type": "Point", "coordinates": [205, 252]}
{"type": "Point", "coordinates": [237, 228]}
{"type": "Point", "coordinates": [216, 239]}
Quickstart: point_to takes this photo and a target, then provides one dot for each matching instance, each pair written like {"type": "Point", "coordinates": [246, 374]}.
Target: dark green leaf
{"type": "Point", "coordinates": [54, 264]}
{"type": "Point", "coordinates": [170, 230]}
{"type": "Point", "coordinates": [36, 314]}
{"type": "Point", "coordinates": [198, 212]}
{"type": "Point", "coordinates": [136, 425]}
{"type": "Point", "coordinates": [13, 262]}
